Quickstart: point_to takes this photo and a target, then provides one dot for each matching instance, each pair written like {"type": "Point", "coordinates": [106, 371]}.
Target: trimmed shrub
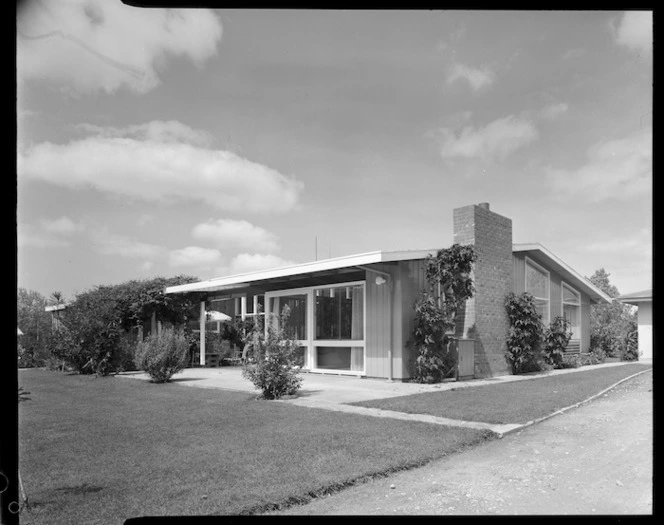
{"type": "Point", "coordinates": [630, 350]}
{"type": "Point", "coordinates": [571, 361]}
{"type": "Point", "coordinates": [162, 355]}
{"type": "Point", "coordinates": [274, 365]}
{"type": "Point", "coordinates": [556, 338]}
{"type": "Point", "coordinates": [525, 334]}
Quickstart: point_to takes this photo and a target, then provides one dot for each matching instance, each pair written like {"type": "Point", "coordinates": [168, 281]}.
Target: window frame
{"type": "Point", "coordinates": [540, 268]}
{"type": "Point", "coordinates": [563, 285]}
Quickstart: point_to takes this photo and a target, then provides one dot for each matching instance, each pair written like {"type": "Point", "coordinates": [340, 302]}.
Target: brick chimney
{"type": "Point", "coordinates": [485, 318]}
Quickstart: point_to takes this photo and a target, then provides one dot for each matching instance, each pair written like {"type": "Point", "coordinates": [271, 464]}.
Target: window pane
{"type": "Point", "coordinates": [301, 353]}
{"type": "Point", "coordinates": [340, 358]}
{"type": "Point", "coordinates": [570, 296]}
{"type": "Point", "coordinates": [339, 313]}
{"type": "Point", "coordinates": [296, 325]}
{"type": "Point", "coordinates": [537, 282]}
{"type": "Point", "coordinates": [571, 313]}
{"type": "Point", "coordinates": [542, 307]}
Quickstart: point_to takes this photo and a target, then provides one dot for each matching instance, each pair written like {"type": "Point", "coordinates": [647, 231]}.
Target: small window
{"type": "Point", "coordinates": [538, 285]}
{"type": "Point", "coordinates": [571, 307]}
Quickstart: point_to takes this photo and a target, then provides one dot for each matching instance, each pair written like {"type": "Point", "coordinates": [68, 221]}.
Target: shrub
{"type": "Point", "coordinates": [571, 361]}
{"type": "Point", "coordinates": [556, 338]}
{"type": "Point", "coordinates": [449, 286]}
{"type": "Point", "coordinates": [525, 335]}
{"type": "Point", "coordinates": [630, 350]}
{"type": "Point", "coordinates": [162, 355]}
{"type": "Point", "coordinates": [273, 368]}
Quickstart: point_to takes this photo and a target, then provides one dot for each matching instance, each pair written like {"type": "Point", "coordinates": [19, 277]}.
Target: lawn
{"type": "Point", "coordinates": [514, 402]}
{"type": "Point", "coordinates": [100, 450]}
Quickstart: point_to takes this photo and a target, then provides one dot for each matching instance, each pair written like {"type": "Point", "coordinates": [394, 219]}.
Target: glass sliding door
{"type": "Point", "coordinates": [296, 324]}
{"type": "Point", "coordinates": [328, 324]}
{"type": "Point", "coordinates": [339, 327]}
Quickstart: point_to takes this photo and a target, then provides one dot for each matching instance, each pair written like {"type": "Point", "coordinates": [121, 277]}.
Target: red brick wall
{"type": "Point", "coordinates": [485, 318]}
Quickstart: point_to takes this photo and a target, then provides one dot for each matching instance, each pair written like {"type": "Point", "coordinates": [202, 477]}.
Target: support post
{"type": "Point", "coordinates": [201, 359]}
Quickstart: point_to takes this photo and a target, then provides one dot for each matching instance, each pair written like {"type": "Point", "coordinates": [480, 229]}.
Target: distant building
{"type": "Point", "coordinates": [642, 300]}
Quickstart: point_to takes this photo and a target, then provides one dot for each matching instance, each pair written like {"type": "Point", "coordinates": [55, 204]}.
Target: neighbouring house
{"type": "Point", "coordinates": [643, 301]}
{"type": "Point", "coordinates": [56, 314]}
{"type": "Point", "coordinates": [354, 314]}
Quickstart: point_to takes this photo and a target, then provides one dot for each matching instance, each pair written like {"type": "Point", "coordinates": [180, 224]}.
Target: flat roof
{"type": "Point", "coordinates": [245, 279]}
{"type": "Point", "coordinates": [636, 297]}
{"type": "Point", "coordinates": [563, 269]}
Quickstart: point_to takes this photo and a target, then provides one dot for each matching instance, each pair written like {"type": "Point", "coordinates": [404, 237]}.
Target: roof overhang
{"type": "Point", "coordinates": [234, 282]}
{"type": "Point", "coordinates": [56, 307]}
{"type": "Point", "coordinates": [644, 296]}
{"type": "Point", "coordinates": [542, 254]}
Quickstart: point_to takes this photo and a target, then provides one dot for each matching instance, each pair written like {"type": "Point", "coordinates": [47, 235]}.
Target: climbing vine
{"type": "Point", "coordinates": [449, 285]}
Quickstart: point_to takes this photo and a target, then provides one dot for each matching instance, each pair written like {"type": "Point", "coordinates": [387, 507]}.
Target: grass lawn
{"type": "Point", "coordinates": [100, 450]}
{"type": "Point", "coordinates": [514, 402]}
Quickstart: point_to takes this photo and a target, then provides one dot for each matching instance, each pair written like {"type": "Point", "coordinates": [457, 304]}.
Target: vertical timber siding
{"type": "Point", "coordinates": [408, 282]}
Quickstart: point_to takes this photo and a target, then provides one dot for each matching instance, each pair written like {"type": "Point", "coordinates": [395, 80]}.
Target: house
{"type": "Point", "coordinates": [643, 300]}
{"type": "Point", "coordinates": [354, 315]}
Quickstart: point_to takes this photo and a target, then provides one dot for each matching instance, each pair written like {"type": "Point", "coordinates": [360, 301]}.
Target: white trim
{"type": "Point", "coordinates": [590, 289]}
{"type": "Point", "coordinates": [548, 282]}
{"type": "Point", "coordinates": [563, 284]}
{"type": "Point", "coordinates": [241, 280]}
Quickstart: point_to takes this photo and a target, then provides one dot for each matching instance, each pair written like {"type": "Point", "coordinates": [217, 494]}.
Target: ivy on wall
{"type": "Point", "coordinates": [449, 285]}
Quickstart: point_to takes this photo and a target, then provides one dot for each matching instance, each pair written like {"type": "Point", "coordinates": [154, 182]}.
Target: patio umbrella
{"type": "Point", "coordinates": [214, 315]}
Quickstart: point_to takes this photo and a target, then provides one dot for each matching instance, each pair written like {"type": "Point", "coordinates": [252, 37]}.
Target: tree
{"type": "Point", "coordinates": [35, 323]}
{"type": "Point", "coordinates": [610, 323]}
{"type": "Point", "coordinates": [97, 323]}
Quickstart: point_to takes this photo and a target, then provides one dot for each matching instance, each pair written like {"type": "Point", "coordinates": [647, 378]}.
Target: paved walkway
{"type": "Point", "coordinates": [332, 392]}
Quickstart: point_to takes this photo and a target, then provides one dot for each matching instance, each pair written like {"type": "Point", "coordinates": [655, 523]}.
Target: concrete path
{"type": "Point", "coordinates": [332, 392]}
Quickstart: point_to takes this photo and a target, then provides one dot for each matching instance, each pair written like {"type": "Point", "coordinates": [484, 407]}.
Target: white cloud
{"type": "Point", "coordinates": [236, 233]}
{"type": "Point", "coordinates": [61, 226]}
{"type": "Point", "coordinates": [554, 111]}
{"type": "Point", "coordinates": [28, 236]}
{"type": "Point", "coordinates": [158, 170]}
{"type": "Point", "coordinates": [93, 45]}
{"type": "Point", "coordinates": [246, 262]}
{"type": "Point", "coordinates": [477, 78]}
{"type": "Point", "coordinates": [145, 219]}
{"type": "Point", "coordinates": [194, 257]}
{"type": "Point", "coordinates": [635, 31]}
{"type": "Point", "coordinates": [618, 169]}
{"type": "Point", "coordinates": [170, 131]}
{"type": "Point", "coordinates": [107, 243]}
{"type": "Point", "coordinates": [496, 140]}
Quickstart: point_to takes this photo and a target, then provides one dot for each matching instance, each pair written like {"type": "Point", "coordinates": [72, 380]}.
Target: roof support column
{"type": "Point", "coordinates": [201, 325]}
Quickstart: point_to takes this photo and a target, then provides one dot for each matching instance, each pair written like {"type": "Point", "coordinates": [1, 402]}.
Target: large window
{"type": "Point", "coordinates": [571, 307]}
{"type": "Point", "coordinates": [327, 322]}
{"type": "Point", "coordinates": [537, 284]}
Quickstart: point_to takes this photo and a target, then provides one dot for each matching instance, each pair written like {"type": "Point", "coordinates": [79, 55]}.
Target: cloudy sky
{"type": "Point", "coordinates": [156, 142]}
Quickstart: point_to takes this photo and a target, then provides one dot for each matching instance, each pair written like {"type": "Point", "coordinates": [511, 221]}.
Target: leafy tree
{"type": "Point", "coordinates": [609, 323]}
{"type": "Point", "coordinates": [97, 322]}
{"type": "Point", "coordinates": [449, 286]}
{"type": "Point", "coordinates": [35, 323]}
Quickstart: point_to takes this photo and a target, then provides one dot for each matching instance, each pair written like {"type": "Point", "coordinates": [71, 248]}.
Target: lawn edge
{"type": "Point", "coordinates": [334, 488]}
{"type": "Point", "coordinates": [521, 426]}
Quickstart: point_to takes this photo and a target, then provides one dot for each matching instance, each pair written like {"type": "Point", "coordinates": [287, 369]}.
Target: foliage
{"type": "Point", "coordinates": [274, 367]}
{"type": "Point", "coordinates": [571, 361]}
{"type": "Point", "coordinates": [449, 286]}
{"type": "Point", "coordinates": [97, 322]}
{"type": "Point", "coordinates": [609, 323]}
{"type": "Point", "coordinates": [162, 355]}
{"type": "Point", "coordinates": [630, 350]}
{"type": "Point", "coordinates": [556, 338]}
{"type": "Point", "coordinates": [35, 323]}
{"type": "Point", "coordinates": [525, 334]}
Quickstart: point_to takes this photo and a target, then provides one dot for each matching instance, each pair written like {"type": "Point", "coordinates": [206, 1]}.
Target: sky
{"type": "Point", "coordinates": [160, 142]}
